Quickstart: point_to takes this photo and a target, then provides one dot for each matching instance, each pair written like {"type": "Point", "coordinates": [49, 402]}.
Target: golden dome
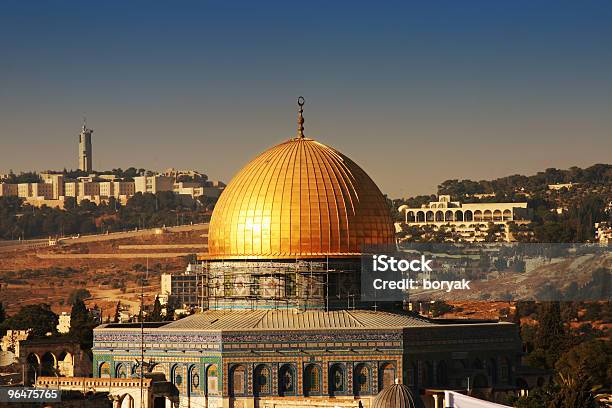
{"type": "Point", "coordinates": [299, 199]}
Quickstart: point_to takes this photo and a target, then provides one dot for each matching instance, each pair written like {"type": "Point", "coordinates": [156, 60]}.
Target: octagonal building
{"type": "Point", "coordinates": [282, 323]}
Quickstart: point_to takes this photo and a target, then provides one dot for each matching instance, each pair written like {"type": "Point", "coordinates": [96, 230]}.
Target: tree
{"type": "Point", "coordinates": [39, 318]}
{"type": "Point", "coordinates": [156, 313]}
{"type": "Point", "coordinates": [576, 392]}
{"type": "Point", "coordinates": [78, 295]}
{"type": "Point", "coordinates": [82, 324]}
{"type": "Point", "coordinates": [551, 338]}
{"type": "Point", "coordinates": [593, 357]}
{"type": "Point", "coordinates": [439, 307]}
{"type": "Point", "coordinates": [169, 312]}
{"type": "Point", "coordinates": [2, 313]}
{"type": "Point", "coordinates": [117, 316]}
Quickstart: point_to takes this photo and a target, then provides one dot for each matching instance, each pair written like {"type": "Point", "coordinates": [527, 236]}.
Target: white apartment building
{"type": "Point", "coordinates": [153, 184]}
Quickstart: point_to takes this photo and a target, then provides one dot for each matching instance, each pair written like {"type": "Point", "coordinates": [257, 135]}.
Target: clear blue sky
{"type": "Point", "coordinates": [415, 92]}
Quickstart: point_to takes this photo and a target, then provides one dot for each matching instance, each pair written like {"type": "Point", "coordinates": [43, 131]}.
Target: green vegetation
{"type": "Point", "coordinates": [23, 177]}
{"type": "Point", "coordinates": [40, 318]}
{"type": "Point", "coordinates": [580, 358]}
{"type": "Point", "coordinates": [564, 215]}
{"type": "Point", "coordinates": [514, 186]}
{"type": "Point", "coordinates": [82, 324]}
{"type": "Point", "coordinates": [141, 211]}
{"type": "Point", "coordinates": [78, 295]}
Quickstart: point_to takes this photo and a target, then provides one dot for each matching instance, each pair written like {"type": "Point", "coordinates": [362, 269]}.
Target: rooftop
{"type": "Point", "coordinates": [299, 320]}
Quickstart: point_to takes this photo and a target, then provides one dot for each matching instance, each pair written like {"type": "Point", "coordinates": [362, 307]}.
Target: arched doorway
{"type": "Point", "coordinates": [65, 365]}
{"type": "Point", "coordinates": [126, 401]}
{"type": "Point", "coordinates": [48, 365]}
{"type": "Point", "coordinates": [32, 368]}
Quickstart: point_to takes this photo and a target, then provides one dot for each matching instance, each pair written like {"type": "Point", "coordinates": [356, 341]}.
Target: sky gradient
{"type": "Point", "coordinates": [415, 93]}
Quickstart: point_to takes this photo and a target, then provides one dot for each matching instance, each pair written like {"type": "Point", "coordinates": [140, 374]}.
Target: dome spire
{"type": "Point", "coordinates": [300, 132]}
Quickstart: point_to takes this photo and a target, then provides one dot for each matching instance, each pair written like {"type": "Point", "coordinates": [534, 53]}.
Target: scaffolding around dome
{"type": "Point", "coordinates": [303, 284]}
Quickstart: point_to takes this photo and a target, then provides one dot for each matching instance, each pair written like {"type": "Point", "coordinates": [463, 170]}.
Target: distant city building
{"type": "Point", "coordinates": [603, 233]}
{"type": "Point", "coordinates": [468, 219]}
{"type": "Point", "coordinates": [560, 186]}
{"type": "Point", "coordinates": [176, 174]}
{"type": "Point", "coordinates": [181, 290]}
{"type": "Point", "coordinates": [85, 150]}
{"type": "Point", "coordinates": [153, 184]}
{"type": "Point", "coordinates": [10, 341]}
{"type": "Point", "coordinates": [54, 188]}
{"type": "Point", "coordinates": [57, 184]}
{"type": "Point", "coordinates": [7, 190]}
{"type": "Point", "coordinates": [64, 323]}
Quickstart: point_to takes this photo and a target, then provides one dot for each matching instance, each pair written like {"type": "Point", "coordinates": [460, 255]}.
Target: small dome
{"type": "Point", "coordinates": [397, 396]}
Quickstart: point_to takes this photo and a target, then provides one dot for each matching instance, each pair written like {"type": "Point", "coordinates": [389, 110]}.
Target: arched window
{"type": "Point", "coordinates": [429, 216]}
{"type": "Point", "coordinates": [480, 381]}
{"type": "Point", "coordinates": [412, 374]}
{"type": "Point", "coordinates": [458, 215]}
{"type": "Point", "coordinates": [337, 380]}
{"type": "Point", "coordinates": [427, 374]}
{"type": "Point", "coordinates": [361, 380]}
{"type": "Point", "coordinates": [286, 380]}
{"type": "Point", "coordinates": [477, 215]}
{"type": "Point", "coordinates": [312, 380]}
{"type": "Point", "coordinates": [488, 216]}
{"type": "Point", "coordinates": [238, 378]}
{"type": "Point", "coordinates": [212, 380]}
{"type": "Point", "coordinates": [104, 370]}
{"type": "Point", "coordinates": [504, 367]}
{"type": "Point", "coordinates": [439, 216]}
{"type": "Point", "coordinates": [176, 375]}
{"type": "Point", "coordinates": [262, 384]}
{"type": "Point", "coordinates": [442, 374]}
{"type": "Point", "coordinates": [497, 215]}
{"type": "Point", "coordinates": [507, 215]}
{"type": "Point", "coordinates": [493, 370]}
{"type": "Point", "coordinates": [120, 371]}
{"type": "Point", "coordinates": [386, 376]}
{"type": "Point", "coordinates": [420, 216]}
{"type": "Point", "coordinates": [448, 216]}
{"type": "Point", "coordinates": [194, 378]}
{"type": "Point", "coordinates": [477, 364]}
{"type": "Point", "coordinates": [468, 216]}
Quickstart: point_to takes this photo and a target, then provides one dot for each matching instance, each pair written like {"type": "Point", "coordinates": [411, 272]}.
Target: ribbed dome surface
{"type": "Point", "coordinates": [397, 396]}
{"type": "Point", "coordinates": [299, 199]}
